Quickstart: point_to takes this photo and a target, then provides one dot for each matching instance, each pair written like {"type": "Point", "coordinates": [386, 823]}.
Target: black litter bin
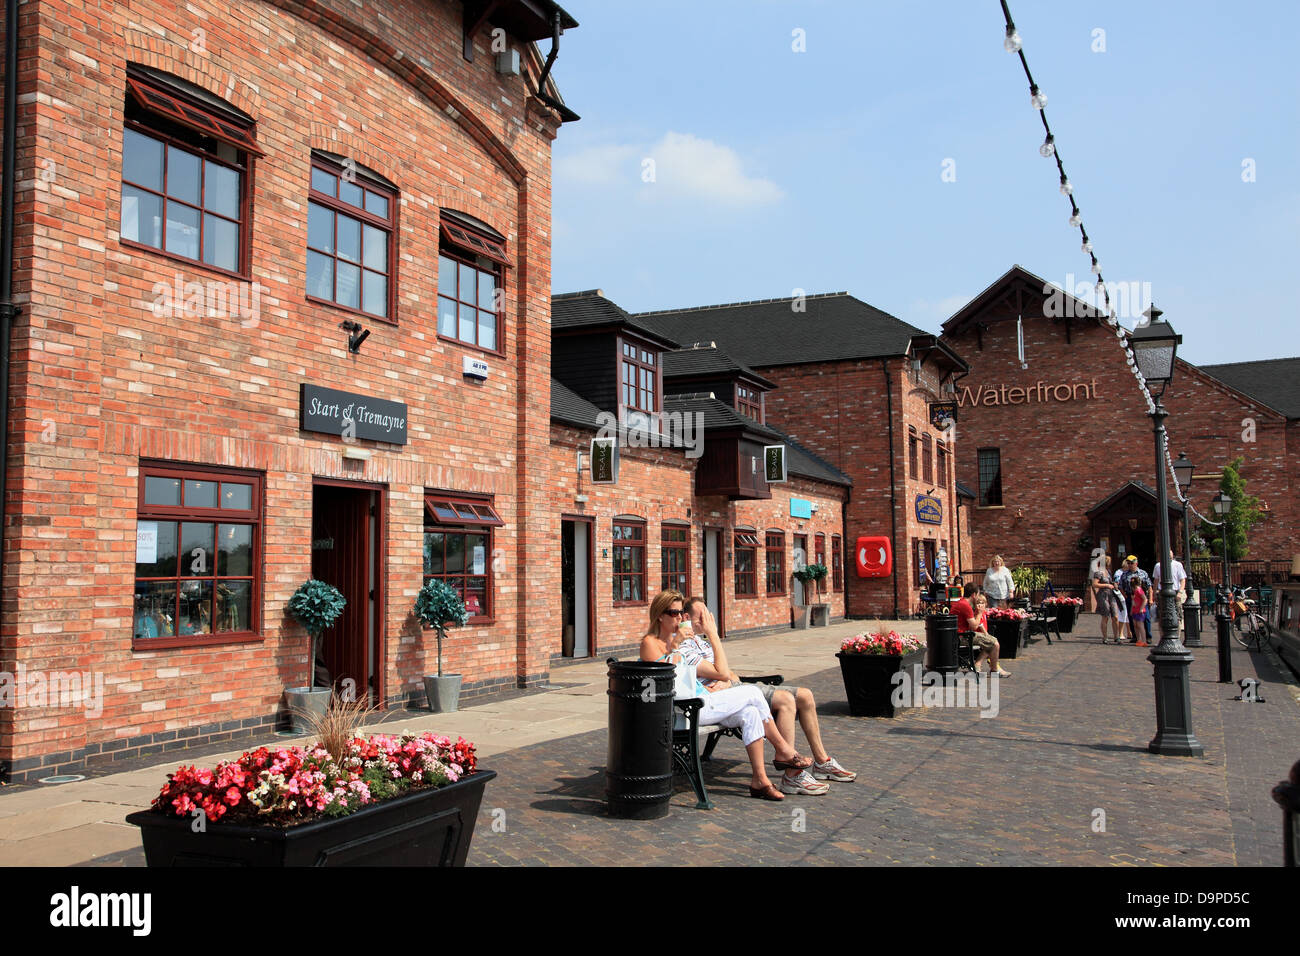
{"type": "Point", "coordinates": [941, 643]}
{"type": "Point", "coordinates": [639, 763]}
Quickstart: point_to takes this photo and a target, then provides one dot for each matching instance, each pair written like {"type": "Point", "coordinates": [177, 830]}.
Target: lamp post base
{"type": "Point", "coordinates": [1174, 737]}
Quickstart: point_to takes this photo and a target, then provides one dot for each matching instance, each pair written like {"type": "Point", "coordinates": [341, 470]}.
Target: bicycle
{"type": "Point", "coordinates": [1249, 625]}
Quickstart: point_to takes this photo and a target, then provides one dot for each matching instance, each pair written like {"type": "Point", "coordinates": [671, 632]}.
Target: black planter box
{"type": "Point", "coordinates": [1009, 636]}
{"type": "Point", "coordinates": [867, 681]}
{"type": "Point", "coordinates": [430, 827]}
{"type": "Point", "coordinates": [1065, 615]}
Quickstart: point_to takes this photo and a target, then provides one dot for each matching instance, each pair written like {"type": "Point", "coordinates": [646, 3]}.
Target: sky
{"type": "Point", "coordinates": [748, 149]}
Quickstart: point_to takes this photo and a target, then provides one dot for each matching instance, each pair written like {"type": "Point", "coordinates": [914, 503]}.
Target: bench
{"type": "Point", "coordinates": [1039, 620]}
{"type": "Point", "coordinates": [687, 755]}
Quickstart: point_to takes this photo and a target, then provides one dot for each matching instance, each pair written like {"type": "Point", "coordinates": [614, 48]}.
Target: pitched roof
{"type": "Point", "coordinates": [964, 491]}
{"type": "Point", "coordinates": [1133, 485]}
{"type": "Point", "coordinates": [571, 408]}
{"type": "Point", "coordinates": [800, 461]}
{"type": "Point", "coordinates": [705, 358]}
{"type": "Point", "coordinates": [767, 332]}
{"type": "Point", "coordinates": [718, 416]}
{"type": "Point", "coordinates": [1272, 382]}
{"type": "Point", "coordinates": [591, 310]}
{"type": "Point", "coordinates": [1035, 288]}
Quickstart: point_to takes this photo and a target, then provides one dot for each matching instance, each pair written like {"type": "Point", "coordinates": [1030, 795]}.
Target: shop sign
{"type": "Point", "coordinates": [349, 415]}
{"type": "Point", "coordinates": [774, 463]}
{"type": "Point", "coordinates": [1026, 394]}
{"type": "Point", "coordinates": [943, 415]}
{"type": "Point", "coordinates": [800, 508]}
{"type": "Point", "coordinates": [929, 510]}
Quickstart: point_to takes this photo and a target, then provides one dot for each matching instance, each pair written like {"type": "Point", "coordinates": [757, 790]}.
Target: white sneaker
{"type": "Point", "coordinates": [803, 783]}
{"type": "Point", "coordinates": [831, 770]}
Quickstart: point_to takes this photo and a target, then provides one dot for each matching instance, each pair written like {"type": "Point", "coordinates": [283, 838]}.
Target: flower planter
{"type": "Point", "coordinates": [800, 615]}
{"type": "Point", "coordinates": [443, 692]}
{"type": "Point", "coordinates": [304, 703]}
{"type": "Point", "coordinates": [867, 681]}
{"type": "Point", "coordinates": [820, 615]}
{"type": "Point", "coordinates": [1065, 615]}
{"type": "Point", "coordinates": [1010, 635]}
{"type": "Point", "coordinates": [430, 827]}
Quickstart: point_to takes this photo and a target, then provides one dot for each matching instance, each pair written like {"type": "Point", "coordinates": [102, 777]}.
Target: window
{"type": "Point", "coordinates": [186, 158]}
{"type": "Point", "coordinates": [837, 564]}
{"type": "Point", "coordinates": [639, 377]}
{"type": "Point", "coordinates": [629, 561]}
{"type": "Point", "coordinates": [927, 465]}
{"type": "Point", "coordinates": [746, 547]}
{"type": "Point", "coordinates": [819, 544]}
{"type": "Point", "coordinates": [675, 541]}
{"type": "Point", "coordinates": [197, 556]}
{"type": "Point", "coordinates": [351, 237]}
{"type": "Point", "coordinates": [775, 547]}
{"type": "Point", "coordinates": [471, 287]}
{"type": "Point", "coordinates": [458, 548]}
{"type": "Point", "coordinates": [941, 462]}
{"type": "Point", "coordinates": [990, 472]}
{"type": "Point", "coordinates": [749, 402]}
{"type": "Point", "coordinates": [911, 452]}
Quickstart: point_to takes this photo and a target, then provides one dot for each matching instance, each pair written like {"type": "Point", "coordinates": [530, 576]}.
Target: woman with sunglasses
{"type": "Point", "coordinates": [742, 707]}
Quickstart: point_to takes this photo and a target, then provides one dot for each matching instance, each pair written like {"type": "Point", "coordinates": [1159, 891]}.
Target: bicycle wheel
{"type": "Point", "coordinates": [1242, 631]}
{"type": "Point", "coordinates": [1260, 627]}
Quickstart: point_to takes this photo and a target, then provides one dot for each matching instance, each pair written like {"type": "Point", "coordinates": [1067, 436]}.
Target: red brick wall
{"type": "Point", "coordinates": [1059, 459]}
{"type": "Point", "coordinates": [100, 381]}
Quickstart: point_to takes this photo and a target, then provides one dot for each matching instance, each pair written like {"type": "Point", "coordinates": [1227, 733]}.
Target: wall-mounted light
{"type": "Point", "coordinates": [1020, 512]}
{"type": "Point", "coordinates": [356, 334]}
{"type": "Point", "coordinates": [813, 507]}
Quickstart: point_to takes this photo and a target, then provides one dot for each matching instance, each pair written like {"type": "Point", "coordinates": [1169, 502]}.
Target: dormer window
{"type": "Point", "coordinates": [749, 402]}
{"type": "Point", "coordinates": [638, 377]}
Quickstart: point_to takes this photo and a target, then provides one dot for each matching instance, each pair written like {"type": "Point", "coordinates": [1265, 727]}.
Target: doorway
{"type": "Point", "coordinates": [798, 561]}
{"type": "Point", "coordinates": [712, 575]}
{"type": "Point", "coordinates": [576, 624]}
{"type": "Point", "coordinates": [347, 546]}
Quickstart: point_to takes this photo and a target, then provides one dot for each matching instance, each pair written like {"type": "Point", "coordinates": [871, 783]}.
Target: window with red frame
{"type": "Point", "coordinates": [675, 556]}
{"type": "Point", "coordinates": [638, 377]}
{"type": "Point", "coordinates": [941, 462]}
{"type": "Point", "coordinates": [197, 555]}
{"type": "Point", "coordinates": [775, 554]}
{"type": "Point", "coordinates": [746, 559]}
{"type": "Point", "coordinates": [351, 237]}
{"type": "Point", "coordinates": [186, 160]}
{"type": "Point", "coordinates": [471, 284]}
{"type": "Point", "coordinates": [629, 561]}
{"type": "Point", "coordinates": [927, 460]}
{"type": "Point", "coordinates": [837, 564]}
{"type": "Point", "coordinates": [912, 444]}
{"type": "Point", "coordinates": [749, 402]}
{"type": "Point", "coordinates": [458, 547]}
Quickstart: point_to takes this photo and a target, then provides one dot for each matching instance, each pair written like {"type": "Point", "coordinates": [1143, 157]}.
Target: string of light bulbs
{"type": "Point", "coordinates": [1012, 43]}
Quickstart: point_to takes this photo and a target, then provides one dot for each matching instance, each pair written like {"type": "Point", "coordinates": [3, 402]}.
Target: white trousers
{"type": "Point", "coordinates": [742, 707]}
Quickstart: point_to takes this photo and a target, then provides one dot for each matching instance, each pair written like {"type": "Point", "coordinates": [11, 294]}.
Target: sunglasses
{"type": "Point", "coordinates": [675, 612]}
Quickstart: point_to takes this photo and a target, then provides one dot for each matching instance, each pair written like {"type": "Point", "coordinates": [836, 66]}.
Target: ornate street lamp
{"type": "Point", "coordinates": [1184, 472]}
{"type": "Point", "coordinates": [1223, 508]}
{"type": "Point", "coordinates": [1154, 349]}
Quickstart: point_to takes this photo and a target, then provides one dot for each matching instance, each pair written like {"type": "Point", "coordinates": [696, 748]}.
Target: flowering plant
{"type": "Point", "coordinates": [1006, 614]}
{"type": "Point", "coordinates": [882, 642]}
{"type": "Point", "coordinates": [1077, 602]}
{"type": "Point", "coordinates": [293, 785]}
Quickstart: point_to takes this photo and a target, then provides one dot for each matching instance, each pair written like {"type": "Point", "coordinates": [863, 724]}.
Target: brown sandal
{"type": "Point", "coordinates": [766, 793]}
{"type": "Point", "coordinates": [798, 763]}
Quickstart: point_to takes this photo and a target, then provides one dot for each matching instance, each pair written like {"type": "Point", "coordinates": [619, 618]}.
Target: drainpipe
{"type": "Point", "coordinates": [556, 30]}
{"type": "Point", "coordinates": [893, 492]}
{"type": "Point", "coordinates": [8, 311]}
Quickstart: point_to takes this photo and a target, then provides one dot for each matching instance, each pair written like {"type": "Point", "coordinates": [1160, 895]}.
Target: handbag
{"type": "Point", "coordinates": [684, 681]}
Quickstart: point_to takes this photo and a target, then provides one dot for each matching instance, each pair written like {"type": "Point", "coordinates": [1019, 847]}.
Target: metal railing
{"type": "Point", "coordinates": [1071, 577]}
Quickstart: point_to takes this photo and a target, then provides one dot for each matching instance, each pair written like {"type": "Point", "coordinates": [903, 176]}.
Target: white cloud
{"type": "Point", "coordinates": [683, 167]}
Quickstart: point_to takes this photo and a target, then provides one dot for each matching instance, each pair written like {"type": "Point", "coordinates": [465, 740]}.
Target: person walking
{"type": "Point", "coordinates": [1107, 600]}
{"type": "Point", "coordinates": [999, 586]}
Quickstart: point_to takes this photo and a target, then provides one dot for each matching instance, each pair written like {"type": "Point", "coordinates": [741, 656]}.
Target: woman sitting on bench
{"type": "Point", "coordinates": [742, 707]}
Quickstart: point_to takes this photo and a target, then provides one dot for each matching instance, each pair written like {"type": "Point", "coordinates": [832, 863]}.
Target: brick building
{"type": "Point", "coordinates": [853, 385]}
{"type": "Point", "coordinates": [206, 194]}
{"type": "Point", "coordinates": [1059, 449]}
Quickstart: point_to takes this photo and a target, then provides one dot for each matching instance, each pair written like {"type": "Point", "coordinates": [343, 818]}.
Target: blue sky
{"type": "Point", "coordinates": [822, 170]}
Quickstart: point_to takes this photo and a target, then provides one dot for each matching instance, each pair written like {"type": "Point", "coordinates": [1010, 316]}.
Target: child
{"type": "Point", "coordinates": [1121, 618]}
{"type": "Point", "coordinates": [1139, 615]}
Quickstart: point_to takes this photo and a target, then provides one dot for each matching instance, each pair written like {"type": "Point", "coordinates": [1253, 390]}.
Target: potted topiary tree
{"type": "Point", "coordinates": [812, 612]}
{"type": "Point", "coordinates": [438, 605]}
{"type": "Point", "coordinates": [316, 606]}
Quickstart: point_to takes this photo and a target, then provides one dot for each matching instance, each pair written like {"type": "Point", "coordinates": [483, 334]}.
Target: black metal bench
{"type": "Point", "coordinates": [1040, 620]}
{"type": "Point", "coordinates": [687, 755]}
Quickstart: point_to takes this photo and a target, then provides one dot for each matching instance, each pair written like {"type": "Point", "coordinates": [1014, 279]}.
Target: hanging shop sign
{"type": "Point", "coordinates": [604, 461]}
{"type": "Point", "coordinates": [774, 463]}
{"type": "Point", "coordinates": [331, 412]}
{"type": "Point", "coordinates": [943, 415]}
{"type": "Point", "coordinates": [929, 510]}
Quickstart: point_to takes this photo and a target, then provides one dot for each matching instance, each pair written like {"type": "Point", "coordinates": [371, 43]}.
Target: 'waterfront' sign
{"type": "Point", "coordinates": [332, 412]}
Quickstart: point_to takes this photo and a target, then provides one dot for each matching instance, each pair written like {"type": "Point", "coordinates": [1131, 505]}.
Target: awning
{"type": "Point", "coordinates": [442, 509]}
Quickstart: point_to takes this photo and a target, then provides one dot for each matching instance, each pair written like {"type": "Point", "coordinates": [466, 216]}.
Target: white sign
{"type": "Point", "coordinates": [479, 560]}
{"type": "Point", "coordinates": [146, 542]}
{"type": "Point", "coordinates": [474, 368]}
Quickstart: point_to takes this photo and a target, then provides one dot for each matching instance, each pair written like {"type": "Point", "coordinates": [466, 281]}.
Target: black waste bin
{"type": "Point", "coordinates": [639, 762]}
{"type": "Point", "coordinates": [941, 643]}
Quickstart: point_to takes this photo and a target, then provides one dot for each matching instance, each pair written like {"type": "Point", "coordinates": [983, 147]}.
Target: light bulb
{"type": "Point", "coordinates": [1012, 41]}
{"type": "Point", "coordinates": [1037, 99]}
{"type": "Point", "coordinates": [1049, 146]}
{"type": "Point", "coordinates": [1096, 267]}
{"type": "Point", "coordinates": [1087, 245]}
{"type": "Point", "coordinates": [1066, 187]}
{"type": "Point", "coordinates": [1075, 220]}
{"type": "Point", "coordinates": [1129, 360]}
{"type": "Point", "coordinates": [1101, 291]}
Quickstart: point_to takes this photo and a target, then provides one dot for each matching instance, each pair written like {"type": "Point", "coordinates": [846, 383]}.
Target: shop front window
{"type": "Point", "coordinates": [458, 535]}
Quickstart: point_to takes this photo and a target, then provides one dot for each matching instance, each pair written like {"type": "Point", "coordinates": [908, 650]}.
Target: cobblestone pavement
{"type": "Point", "coordinates": [1061, 775]}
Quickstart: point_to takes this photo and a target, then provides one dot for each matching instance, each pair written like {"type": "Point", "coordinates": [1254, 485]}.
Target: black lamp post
{"type": "Point", "coordinates": [1223, 613]}
{"type": "Point", "coordinates": [1184, 472]}
{"type": "Point", "coordinates": [1154, 347]}
{"type": "Point", "coordinates": [1223, 508]}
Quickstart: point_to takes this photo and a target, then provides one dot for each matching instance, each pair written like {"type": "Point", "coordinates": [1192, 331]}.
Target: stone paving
{"type": "Point", "coordinates": [935, 786]}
